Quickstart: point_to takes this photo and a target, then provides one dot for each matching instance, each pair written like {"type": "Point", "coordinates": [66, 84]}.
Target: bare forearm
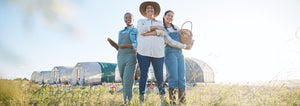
{"type": "Point", "coordinates": [152, 33]}
{"type": "Point", "coordinates": [126, 46]}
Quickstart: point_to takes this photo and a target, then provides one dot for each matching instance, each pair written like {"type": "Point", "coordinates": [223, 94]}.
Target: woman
{"type": "Point", "coordinates": [150, 48]}
{"type": "Point", "coordinates": [174, 60]}
{"type": "Point", "coordinates": [127, 56]}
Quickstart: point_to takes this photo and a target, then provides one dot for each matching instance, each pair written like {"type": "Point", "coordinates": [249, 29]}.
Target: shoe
{"type": "Point", "coordinates": [181, 95]}
{"type": "Point", "coordinates": [163, 100]}
{"type": "Point", "coordinates": [172, 96]}
{"type": "Point", "coordinates": [141, 98]}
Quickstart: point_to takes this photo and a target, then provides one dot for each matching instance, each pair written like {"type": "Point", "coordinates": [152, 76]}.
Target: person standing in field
{"type": "Point", "coordinates": [174, 58]}
{"type": "Point", "coordinates": [174, 61]}
{"type": "Point", "coordinates": [127, 56]}
{"type": "Point", "coordinates": [151, 41]}
{"type": "Point", "coordinates": [150, 48]}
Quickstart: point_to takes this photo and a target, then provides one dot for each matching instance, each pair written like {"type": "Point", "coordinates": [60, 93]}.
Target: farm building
{"type": "Point", "coordinates": [198, 71]}
{"type": "Point", "coordinates": [34, 76]}
{"type": "Point", "coordinates": [61, 74]}
{"type": "Point", "coordinates": [91, 73]}
{"type": "Point", "coordinates": [117, 75]}
{"type": "Point", "coordinates": [44, 77]}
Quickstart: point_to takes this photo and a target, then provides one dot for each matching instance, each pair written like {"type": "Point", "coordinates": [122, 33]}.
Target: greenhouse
{"type": "Point", "coordinates": [92, 73]}
{"type": "Point", "coordinates": [198, 71]}
{"type": "Point", "coordinates": [61, 74]}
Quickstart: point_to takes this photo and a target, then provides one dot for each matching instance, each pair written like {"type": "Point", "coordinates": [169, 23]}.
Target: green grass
{"type": "Point", "coordinates": [18, 92]}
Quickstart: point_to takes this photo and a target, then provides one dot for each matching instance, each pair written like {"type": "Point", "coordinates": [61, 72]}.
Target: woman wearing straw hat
{"type": "Point", "coordinates": [150, 48]}
{"type": "Point", "coordinates": [151, 39]}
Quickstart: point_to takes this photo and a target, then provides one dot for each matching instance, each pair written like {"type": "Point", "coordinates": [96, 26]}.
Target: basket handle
{"type": "Point", "coordinates": [187, 22]}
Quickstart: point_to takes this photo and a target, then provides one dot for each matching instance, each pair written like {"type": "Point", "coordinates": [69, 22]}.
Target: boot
{"type": "Point", "coordinates": [141, 98]}
{"type": "Point", "coordinates": [163, 100]}
{"type": "Point", "coordinates": [181, 95]}
{"type": "Point", "coordinates": [172, 97]}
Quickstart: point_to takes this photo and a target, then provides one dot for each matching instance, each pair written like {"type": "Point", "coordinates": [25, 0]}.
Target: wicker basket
{"type": "Point", "coordinates": [186, 35]}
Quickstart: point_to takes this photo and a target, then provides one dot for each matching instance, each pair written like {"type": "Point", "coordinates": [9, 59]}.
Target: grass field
{"type": "Point", "coordinates": [21, 92]}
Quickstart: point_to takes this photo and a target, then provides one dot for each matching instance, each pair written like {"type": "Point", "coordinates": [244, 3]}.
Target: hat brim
{"type": "Point", "coordinates": [155, 6]}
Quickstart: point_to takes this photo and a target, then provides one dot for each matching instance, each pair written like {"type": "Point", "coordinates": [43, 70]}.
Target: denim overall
{"type": "Point", "coordinates": [175, 63]}
{"type": "Point", "coordinates": [126, 64]}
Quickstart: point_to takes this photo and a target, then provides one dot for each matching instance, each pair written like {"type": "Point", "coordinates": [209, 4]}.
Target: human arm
{"type": "Point", "coordinates": [133, 37]}
{"type": "Point", "coordinates": [125, 46]}
{"type": "Point", "coordinates": [152, 33]}
{"type": "Point", "coordinates": [176, 44]}
{"type": "Point", "coordinates": [160, 30]}
{"type": "Point", "coordinates": [189, 46]}
{"type": "Point", "coordinates": [173, 43]}
{"type": "Point", "coordinates": [145, 26]}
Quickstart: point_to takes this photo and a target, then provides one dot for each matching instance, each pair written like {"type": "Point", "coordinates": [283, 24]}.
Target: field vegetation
{"type": "Point", "coordinates": [23, 92]}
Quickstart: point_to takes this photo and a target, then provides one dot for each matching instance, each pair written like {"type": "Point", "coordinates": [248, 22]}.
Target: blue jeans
{"type": "Point", "coordinates": [175, 67]}
{"type": "Point", "coordinates": [157, 63]}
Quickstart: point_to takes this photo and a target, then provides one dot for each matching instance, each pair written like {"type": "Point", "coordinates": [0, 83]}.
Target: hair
{"type": "Point", "coordinates": [170, 23]}
{"type": "Point", "coordinates": [128, 13]}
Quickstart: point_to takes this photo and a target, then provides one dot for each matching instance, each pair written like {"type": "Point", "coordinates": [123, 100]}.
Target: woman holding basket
{"type": "Point", "coordinates": [174, 60]}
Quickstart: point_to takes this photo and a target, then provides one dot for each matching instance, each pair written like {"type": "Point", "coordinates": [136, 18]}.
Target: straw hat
{"type": "Point", "coordinates": [155, 6]}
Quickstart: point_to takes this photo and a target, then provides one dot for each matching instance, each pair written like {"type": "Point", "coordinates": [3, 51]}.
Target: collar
{"type": "Point", "coordinates": [151, 20]}
{"type": "Point", "coordinates": [128, 27]}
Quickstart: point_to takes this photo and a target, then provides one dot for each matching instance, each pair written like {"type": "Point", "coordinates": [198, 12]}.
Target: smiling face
{"type": "Point", "coordinates": [128, 19]}
{"type": "Point", "coordinates": [149, 10]}
{"type": "Point", "coordinates": [169, 18]}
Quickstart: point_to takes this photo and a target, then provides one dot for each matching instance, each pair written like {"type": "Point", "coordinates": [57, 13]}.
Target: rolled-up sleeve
{"type": "Point", "coordinates": [160, 32]}
{"type": "Point", "coordinates": [133, 35]}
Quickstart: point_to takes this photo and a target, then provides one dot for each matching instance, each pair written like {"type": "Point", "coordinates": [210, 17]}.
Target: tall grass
{"type": "Point", "coordinates": [18, 92]}
{"type": "Point", "coordinates": [11, 91]}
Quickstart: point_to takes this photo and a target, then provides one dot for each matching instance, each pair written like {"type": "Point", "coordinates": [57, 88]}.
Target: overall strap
{"type": "Point", "coordinates": [166, 29]}
{"type": "Point", "coordinates": [131, 29]}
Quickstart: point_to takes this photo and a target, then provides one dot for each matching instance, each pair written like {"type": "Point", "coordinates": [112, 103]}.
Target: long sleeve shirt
{"type": "Point", "coordinates": [172, 42]}
{"type": "Point", "coordinates": [133, 35]}
{"type": "Point", "coordinates": [152, 46]}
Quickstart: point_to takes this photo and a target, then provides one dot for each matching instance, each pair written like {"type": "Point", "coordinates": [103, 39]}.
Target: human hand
{"type": "Point", "coordinates": [189, 46]}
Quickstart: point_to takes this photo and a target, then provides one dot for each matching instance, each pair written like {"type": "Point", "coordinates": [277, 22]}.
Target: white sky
{"type": "Point", "coordinates": [241, 40]}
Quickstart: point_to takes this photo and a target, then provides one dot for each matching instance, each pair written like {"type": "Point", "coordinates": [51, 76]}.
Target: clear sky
{"type": "Point", "coordinates": [242, 40]}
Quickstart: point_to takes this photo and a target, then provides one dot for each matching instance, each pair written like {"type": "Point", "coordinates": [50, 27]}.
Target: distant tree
{"type": "Point", "coordinates": [25, 79]}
